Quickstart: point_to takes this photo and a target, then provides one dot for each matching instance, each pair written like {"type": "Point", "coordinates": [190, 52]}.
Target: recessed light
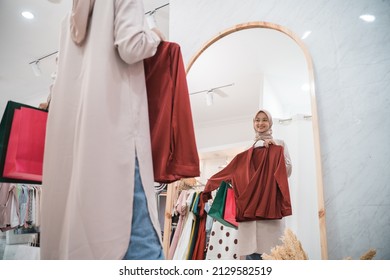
{"type": "Point", "coordinates": [306, 34]}
{"type": "Point", "coordinates": [367, 18]}
{"type": "Point", "coordinates": [28, 15]}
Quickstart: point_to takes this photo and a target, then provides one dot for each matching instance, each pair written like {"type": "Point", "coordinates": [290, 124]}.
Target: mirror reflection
{"type": "Point", "coordinates": [258, 66]}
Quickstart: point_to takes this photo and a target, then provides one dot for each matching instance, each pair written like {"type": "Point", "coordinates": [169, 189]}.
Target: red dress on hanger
{"type": "Point", "coordinates": [259, 180]}
{"type": "Point", "coordinates": [174, 150]}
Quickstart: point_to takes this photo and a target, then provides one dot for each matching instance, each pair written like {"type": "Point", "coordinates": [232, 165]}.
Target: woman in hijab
{"type": "Point", "coordinates": [257, 237]}
{"type": "Point", "coordinates": [98, 189]}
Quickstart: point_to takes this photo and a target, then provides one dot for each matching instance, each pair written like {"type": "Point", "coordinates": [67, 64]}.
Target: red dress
{"type": "Point", "coordinates": [259, 180]}
{"type": "Point", "coordinates": [174, 150]}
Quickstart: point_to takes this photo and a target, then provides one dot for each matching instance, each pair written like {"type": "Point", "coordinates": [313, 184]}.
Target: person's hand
{"type": "Point", "coordinates": [268, 142]}
{"type": "Point", "coordinates": [159, 33]}
{"type": "Point", "coordinates": [43, 106]}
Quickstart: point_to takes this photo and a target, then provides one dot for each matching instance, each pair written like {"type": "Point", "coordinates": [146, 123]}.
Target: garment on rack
{"type": "Point", "coordinates": [174, 150]}
{"type": "Point", "coordinates": [223, 243]}
{"type": "Point", "coordinates": [183, 244]}
{"type": "Point", "coordinates": [19, 206]}
{"type": "Point", "coordinates": [8, 204]}
{"type": "Point", "coordinates": [182, 209]}
{"type": "Point", "coordinates": [259, 180]}
{"type": "Point", "coordinates": [195, 227]}
{"type": "Point", "coordinates": [198, 253]}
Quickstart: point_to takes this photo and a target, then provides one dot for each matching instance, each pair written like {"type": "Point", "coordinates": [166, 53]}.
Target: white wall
{"type": "Point", "coordinates": [298, 135]}
{"type": "Point", "coordinates": [351, 65]}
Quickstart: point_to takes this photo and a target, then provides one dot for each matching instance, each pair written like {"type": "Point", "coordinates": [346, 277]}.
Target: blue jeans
{"type": "Point", "coordinates": [144, 242]}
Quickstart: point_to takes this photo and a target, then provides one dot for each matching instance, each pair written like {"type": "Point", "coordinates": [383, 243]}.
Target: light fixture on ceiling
{"type": "Point", "coordinates": [27, 15]}
{"type": "Point", "coordinates": [209, 98]}
{"type": "Point", "coordinates": [306, 34]}
{"type": "Point", "coordinates": [367, 18]}
{"type": "Point", "coordinates": [36, 69]}
{"type": "Point", "coordinates": [210, 93]}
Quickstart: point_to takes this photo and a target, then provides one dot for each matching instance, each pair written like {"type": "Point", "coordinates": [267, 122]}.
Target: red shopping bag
{"type": "Point", "coordinates": [24, 158]}
{"type": "Point", "coordinates": [229, 213]}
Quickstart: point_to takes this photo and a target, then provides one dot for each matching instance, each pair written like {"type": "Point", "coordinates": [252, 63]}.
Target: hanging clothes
{"type": "Point", "coordinates": [174, 150]}
{"type": "Point", "coordinates": [259, 180]}
{"type": "Point", "coordinates": [19, 206]}
{"type": "Point", "coordinates": [223, 243]}
{"type": "Point", "coordinates": [185, 237]}
{"type": "Point", "coordinates": [200, 244]}
{"type": "Point", "coordinates": [8, 206]}
{"type": "Point", "coordinates": [182, 209]}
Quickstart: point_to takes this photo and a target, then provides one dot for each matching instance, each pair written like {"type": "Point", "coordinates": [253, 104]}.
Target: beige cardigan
{"type": "Point", "coordinates": [98, 122]}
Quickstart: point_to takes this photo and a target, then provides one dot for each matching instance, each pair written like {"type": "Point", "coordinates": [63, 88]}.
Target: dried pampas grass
{"type": "Point", "coordinates": [290, 250]}
{"type": "Point", "coordinates": [369, 255]}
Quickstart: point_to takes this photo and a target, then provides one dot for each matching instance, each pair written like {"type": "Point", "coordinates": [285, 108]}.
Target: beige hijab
{"type": "Point", "coordinates": [79, 19]}
{"type": "Point", "coordinates": [267, 134]}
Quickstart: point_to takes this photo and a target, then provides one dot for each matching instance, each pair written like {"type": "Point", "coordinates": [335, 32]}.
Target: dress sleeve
{"type": "Point", "coordinates": [213, 183]}
{"type": "Point", "coordinates": [184, 159]}
{"type": "Point", "coordinates": [133, 40]}
{"type": "Point", "coordinates": [281, 178]}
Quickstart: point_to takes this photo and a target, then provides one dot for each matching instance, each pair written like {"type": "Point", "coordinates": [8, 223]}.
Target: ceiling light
{"type": "Point", "coordinates": [367, 18]}
{"type": "Point", "coordinates": [28, 15]}
{"type": "Point", "coordinates": [209, 98]}
{"type": "Point", "coordinates": [306, 34]}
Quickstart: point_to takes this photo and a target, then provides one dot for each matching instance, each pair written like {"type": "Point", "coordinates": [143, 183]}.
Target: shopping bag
{"type": "Point", "coordinates": [217, 209]}
{"type": "Point", "coordinates": [229, 213]}
{"type": "Point", "coordinates": [23, 130]}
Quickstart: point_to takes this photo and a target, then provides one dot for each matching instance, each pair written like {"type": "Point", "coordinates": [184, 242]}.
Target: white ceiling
{"type": "Point", "coordinates": [230, 60]}
{"type": "Point", "coordinates": [267, 69]}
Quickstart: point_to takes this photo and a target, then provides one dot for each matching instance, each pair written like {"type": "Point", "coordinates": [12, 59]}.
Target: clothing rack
{"type": "Point", "coordinates": [171, 190]}
{"type": "Point", "coordinates": [153, 11]}
{"type": "Point", "coordinates": [172, 193]}
{"type": "Point", "coordinates": [297, 117]}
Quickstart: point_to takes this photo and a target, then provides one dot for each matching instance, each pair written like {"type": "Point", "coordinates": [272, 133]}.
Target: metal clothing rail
{"type": "Point", "coordinates": [43, 57]}
{"type": "Point", "coordinates": [153, 11]}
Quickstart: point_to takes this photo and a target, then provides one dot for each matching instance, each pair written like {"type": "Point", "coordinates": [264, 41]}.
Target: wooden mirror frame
{"type": "Point", "coordinates": [317, 152]}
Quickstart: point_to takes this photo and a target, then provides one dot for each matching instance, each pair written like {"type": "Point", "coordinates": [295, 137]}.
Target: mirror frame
{"type": "Point", "coordinates": [317, 152]}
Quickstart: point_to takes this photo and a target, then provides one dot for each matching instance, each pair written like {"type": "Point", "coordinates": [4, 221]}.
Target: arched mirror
{"type": "Point", "coordinates": [261, 65]}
